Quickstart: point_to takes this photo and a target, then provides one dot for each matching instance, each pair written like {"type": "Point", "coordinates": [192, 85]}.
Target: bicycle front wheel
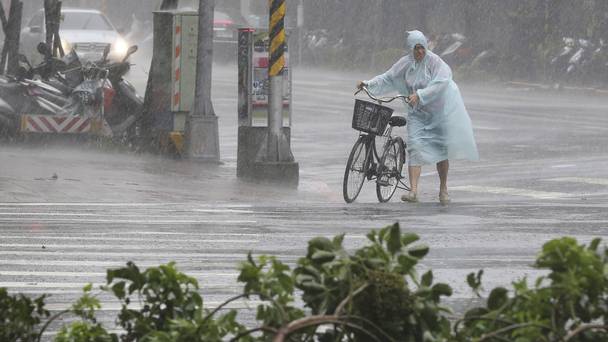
{"type": "Point", "coordinates": [356, 171]}
{"type": "Point", "coordinates": [389, 170]}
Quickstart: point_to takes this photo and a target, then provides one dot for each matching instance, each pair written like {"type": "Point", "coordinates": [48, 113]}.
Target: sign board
{"type": "Point", "coordinates": [260, 83]}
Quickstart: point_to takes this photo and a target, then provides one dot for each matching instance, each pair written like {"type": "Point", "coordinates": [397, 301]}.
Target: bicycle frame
{"type": "Point", "coordinates": [383, 165]}
{"type": "Point", "coordinates": [371, 141]}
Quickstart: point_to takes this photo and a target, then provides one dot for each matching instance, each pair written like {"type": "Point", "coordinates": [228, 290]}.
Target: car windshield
{"type": "Point", "coordinates": [84, 21]}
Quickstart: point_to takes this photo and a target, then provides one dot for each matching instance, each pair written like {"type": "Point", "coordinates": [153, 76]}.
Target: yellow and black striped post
{"type": "Point", "coordinates": [277, 148]}
{"type": "Point", "coordinates": [277, 37]}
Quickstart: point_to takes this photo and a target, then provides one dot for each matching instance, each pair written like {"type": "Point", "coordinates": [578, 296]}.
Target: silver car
{"type": "Point", "coordinates": [85, 30]}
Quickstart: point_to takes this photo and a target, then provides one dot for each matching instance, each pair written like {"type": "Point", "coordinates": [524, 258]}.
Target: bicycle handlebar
{"type": "Point", "coordinates": [383, 99]}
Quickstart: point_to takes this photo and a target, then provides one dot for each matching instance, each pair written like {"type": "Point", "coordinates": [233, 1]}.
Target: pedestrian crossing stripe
{"type": "Point", "coordinates": [512, 191]}
{"type": "Point", "coordinates": [594, 181]}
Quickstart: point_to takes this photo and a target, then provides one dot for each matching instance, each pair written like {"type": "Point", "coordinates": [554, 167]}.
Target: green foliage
{"type": "Point", "coordinates": [272, 282]}
{"type": "Point", "coordinates": [570, 303]}
{"type": "Point", "coordinates": [372, 293]}
{"type": "Point", "coordinates": [20, 316]}
{"type": "Point", "coordinates": [171, 307]}
{"type": "Point", "coordinates": [393, 299]}
{"type": "Point", "coordinates": [82, 331]}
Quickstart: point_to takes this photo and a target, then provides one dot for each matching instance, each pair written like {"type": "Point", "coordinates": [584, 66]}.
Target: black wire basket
{"type": "Point", "coordinates": [370, 117]}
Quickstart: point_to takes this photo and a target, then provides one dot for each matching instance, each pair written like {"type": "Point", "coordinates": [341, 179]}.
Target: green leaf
{"type": "Point", "coordinates": [374, 262]}
{"type": "Point", "coordinates": [419, 251]}
{"type": "Point", "coordinates": [312, 286]}
{"type": "Point", "coordinates": [319, 244]}
{"type": "Point", "coordinates": [311, 271]}
{"type": "Point", "coordinates": [408, 238]}
{"type": "Point", "coordinates": [441, 289]}
{"type": "Point", "coordinates": [498, 297]}
{"type": "Point", "coordinates": [250, 259]}
{"type": "Point", "coordinates": [323, 256]}
{"type": "Point", "coordinates": [119, 289]}
{"type": "Point", "coordinates": [371, 236]}
{"type": "Point", "coordinates": [406, 262]}
{"type": "Point", "coordinates": [302, 278]}
{"type": "Point", "coordinates": [594, 244]}
{"type": "Point", "coordinates": [87, 287]}
{"type": "Point", "coordinates": [338, 240]}
{"type": "Point", "coordinates": [474, 280]}
{"type": "Point", "coordinates": [427, 278]}
{"type": "Point", "coordinates": [393, 240]}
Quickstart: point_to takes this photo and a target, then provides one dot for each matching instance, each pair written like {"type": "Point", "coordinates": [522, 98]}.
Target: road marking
{"type": "Point", "coordinates": [65, 285]}
{"type": "Point", "coordinates": [103, 274]}
{"type": "Point", "coordinates": [563, 166]}
{"type": "Point", "coordinates": [106, 264]}
{"type": "Point", "coordinates": [103, 204]}
{"type": "Point", "coordinates": [130, 239]}
{"type": "Point", "coordinates": [52, 247]}
{"type": "Point", "coordinates": [594, 181]}
{"type": "Point", "coordinates": [114, 214]}
{"type": "Point", "coordinates": [42, 220]}
{"type": "Point", "coordinates": [512, 192]}
{"type": "Point", "coordinates": [239, 256]}
{"type": "Point", "coordinates": [189, 235]}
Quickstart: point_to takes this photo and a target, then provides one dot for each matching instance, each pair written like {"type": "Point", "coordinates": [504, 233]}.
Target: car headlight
{"type": "Point", "coordinates": [120, 47]}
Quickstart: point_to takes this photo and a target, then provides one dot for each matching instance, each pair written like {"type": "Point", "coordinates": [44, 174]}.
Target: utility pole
{"type": "Point", "coordinates": [201, 134]}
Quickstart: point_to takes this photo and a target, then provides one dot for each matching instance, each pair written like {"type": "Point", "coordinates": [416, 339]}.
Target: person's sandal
{"type": "Point", "coordinates": [444, 198]}
{"type": "Point", "coordinates": [411, 197]}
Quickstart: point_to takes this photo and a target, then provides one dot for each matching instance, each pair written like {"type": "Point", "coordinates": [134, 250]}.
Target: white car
{"type": "Point", "coordinates": [84, 30]}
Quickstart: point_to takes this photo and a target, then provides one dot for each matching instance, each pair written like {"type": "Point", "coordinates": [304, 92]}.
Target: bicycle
{"type": "Point", "coordinates": [364, 161]}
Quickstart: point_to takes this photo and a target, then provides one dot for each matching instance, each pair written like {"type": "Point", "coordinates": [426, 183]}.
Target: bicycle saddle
{"type": "Point", "coordinates": [397, 121]}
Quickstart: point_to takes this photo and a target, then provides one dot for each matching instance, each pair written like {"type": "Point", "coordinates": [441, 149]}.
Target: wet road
{"type": "Point", "coordinates": [543, 174]}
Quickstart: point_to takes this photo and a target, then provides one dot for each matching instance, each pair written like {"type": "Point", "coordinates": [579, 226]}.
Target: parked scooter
{"type": "Point", "coordinates": [63, 87]}
{"type": "Point", "coordinates": [126, 106]}
{"type": "Point", "coordinates": [454, 49]}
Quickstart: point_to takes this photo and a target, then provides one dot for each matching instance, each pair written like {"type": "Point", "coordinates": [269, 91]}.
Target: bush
{"type": "Point", "coordinates": [370, 294]}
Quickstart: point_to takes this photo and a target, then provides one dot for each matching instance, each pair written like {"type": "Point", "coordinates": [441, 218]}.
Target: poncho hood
{"type": "Point", "coordinates": [414, 38]}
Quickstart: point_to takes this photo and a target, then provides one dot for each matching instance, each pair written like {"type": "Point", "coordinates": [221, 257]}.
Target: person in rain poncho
{"type": "Point", "coordinates": [439, 127]}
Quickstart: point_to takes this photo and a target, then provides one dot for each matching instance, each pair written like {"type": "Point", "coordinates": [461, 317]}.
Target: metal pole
{"type": "Point", "coordinates": [300, 24]}
{"type": "Point", "coordinates": [13, 35]}
{"type": "Point", "coordinates": [275, 70]}
{"type": "Point", "coordinates": [202, 139]}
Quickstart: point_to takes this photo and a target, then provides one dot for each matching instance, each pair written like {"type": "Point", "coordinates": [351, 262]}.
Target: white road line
{"type": "Point", "coordinates": [42, 220]}
{"type": "Point", "coordinates": [594, 181]}
{"type": "Point", "coordinates": [121, 263]}
{"type": "Point", "coordinates": [189, 235]}
{"type": "Point", "coordinates": [197, 244]}
{"type": "Point", "coordinates": [104, 204]}
{"type": "Point", "coordinates": [65, 285]}
{"type": "Point", "coordinates": [130, 239]}
{"type": "Point", "coordinates": [112, 214]}
{"type": "Point", "coordinates": [512, 191]}
{"type": "Point", "coordinates": [103, 274]}
{"type": "Point", "coordinates": [239, 256]}
{"type": "Point", "coordinates": [563, 166]}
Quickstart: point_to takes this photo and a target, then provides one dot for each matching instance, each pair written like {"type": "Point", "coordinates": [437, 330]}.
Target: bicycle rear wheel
{"type": "Point", "coordinates": [389, 170]}
{"type": "Point", "coordinates": [356, 170]}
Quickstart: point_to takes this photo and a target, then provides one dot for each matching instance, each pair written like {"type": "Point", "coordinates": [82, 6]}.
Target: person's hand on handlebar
{"type": "Point", "coordinates": [413, 99]}
{"type": "Point", "coordinates": [361, 84]}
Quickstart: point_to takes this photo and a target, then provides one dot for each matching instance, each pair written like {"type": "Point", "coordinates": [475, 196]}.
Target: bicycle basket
{"type": "Point", "coordinates": [370, 117]}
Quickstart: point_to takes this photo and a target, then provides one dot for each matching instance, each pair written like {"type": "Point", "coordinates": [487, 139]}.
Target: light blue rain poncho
{"type": "Point", "coordinates": [439, 127]}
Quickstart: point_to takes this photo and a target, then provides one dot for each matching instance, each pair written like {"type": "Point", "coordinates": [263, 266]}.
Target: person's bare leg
{"type": "Point", "coordinates": [414, 175]}
{"type": "Point", "coordinates": [442, 168]}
